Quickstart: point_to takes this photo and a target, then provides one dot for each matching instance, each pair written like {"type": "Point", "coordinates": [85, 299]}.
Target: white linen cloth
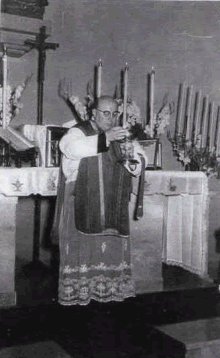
{"type": "Point", "coordinates": [27, 181]}
{"type": "Point", "coordinates": [38, 135]}
{"type": "Point", "coordinates": [185, 217]}
{"type": "Point", "coordinates": [185, 208]}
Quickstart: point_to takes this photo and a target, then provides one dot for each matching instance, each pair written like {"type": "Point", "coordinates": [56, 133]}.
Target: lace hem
{"type": "Point", "coordinates": [100, 288]}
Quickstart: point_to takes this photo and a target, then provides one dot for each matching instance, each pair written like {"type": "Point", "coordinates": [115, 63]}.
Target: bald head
{"type": "Point", "coordinates": [105, 112]}
{"type": "Point", "coordinates": [104, 101]}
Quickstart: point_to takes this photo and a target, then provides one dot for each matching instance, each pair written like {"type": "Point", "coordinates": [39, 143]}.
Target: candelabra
{"type": "Point", "coordinates": [195, 157]}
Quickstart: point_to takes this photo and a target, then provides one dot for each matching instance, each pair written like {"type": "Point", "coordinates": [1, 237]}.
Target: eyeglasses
{"type": "Point", "coordinates": [107, 114]}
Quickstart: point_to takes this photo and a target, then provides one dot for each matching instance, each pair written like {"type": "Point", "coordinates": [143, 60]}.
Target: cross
{"type": "Point", "coordinates": [41, 46]}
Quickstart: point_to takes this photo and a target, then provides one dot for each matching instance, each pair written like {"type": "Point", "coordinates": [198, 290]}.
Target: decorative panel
{"type": "Point", "coordinates": [28, 8]}
{"type": "Point", "coordinates": [15, 30]}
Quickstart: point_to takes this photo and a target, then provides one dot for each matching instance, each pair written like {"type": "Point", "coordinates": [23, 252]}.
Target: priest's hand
{"type": "Point", "coordinates": [116, 133]}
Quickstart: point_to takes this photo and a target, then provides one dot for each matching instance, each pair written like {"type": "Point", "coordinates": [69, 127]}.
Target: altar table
{"type": "Point", "coordinates": [173, 228]}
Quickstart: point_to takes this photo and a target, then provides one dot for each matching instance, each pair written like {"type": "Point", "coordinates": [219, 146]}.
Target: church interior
{"type": "Point", "coordinates": [171, 51]}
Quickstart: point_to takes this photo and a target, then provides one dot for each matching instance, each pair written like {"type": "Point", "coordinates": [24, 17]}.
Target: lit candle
{"type": "Point", "coordinates": [180, 111]}
{"type": "Point", "coordinates": [188, 113]}
{"type": "Point", "coordinates": [99, 78]}
{"type": "Point", "coordinates": [204, 122]}
{"type": "Point", "coordinates": [4, 88]}
{"type": "Point", "coordinates": [152, 84]}
{"type": "Point", "coordinates": [125, 94]}
{"type": "Point", "coordinates": [211, 128]}
{"type": "Point", "coordinates": [196, 114]}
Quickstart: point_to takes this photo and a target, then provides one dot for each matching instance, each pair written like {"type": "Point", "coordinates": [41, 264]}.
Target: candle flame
{"type": "Point", "coordinates": [100, 62]}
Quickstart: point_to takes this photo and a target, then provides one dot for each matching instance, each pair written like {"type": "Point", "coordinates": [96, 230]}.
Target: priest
{"type": "Point", "coordinates": [92, 209]}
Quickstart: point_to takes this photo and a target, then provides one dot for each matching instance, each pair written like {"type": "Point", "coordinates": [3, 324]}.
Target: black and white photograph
{"type": "Point", "coordinates": [109, 179]}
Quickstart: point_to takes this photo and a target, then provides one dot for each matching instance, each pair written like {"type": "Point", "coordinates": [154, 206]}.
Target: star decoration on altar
{"type": "Point", "coordinates": [17, 184]}
{"type": "Point", "coordinates": [171, 186]}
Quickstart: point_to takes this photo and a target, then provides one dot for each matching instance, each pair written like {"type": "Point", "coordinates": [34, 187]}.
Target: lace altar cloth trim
{"type": "Point", "coordinates": [185, 232]}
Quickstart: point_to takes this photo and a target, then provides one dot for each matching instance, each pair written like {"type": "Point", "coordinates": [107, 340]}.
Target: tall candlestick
{"type": "Point", "coordinates": [99, 78]}
{"type": "Point", "coordinates": [217, 128]}
{"type": "Point", "coordinates": [188, 113]}
{"type": "Point", "coordinates": [208, 126]}
{"type": "Point", "coordinates": [217, 133]}
{"type": "Point", "coordinates": [196, 115]}
{"type": "Point", "coordinates": [125, 94]}
{"type": "Point", "coordinates": [4, 88]}
{"type": "Point", "coordinates": [179, 101]}
{"type": "Point", "coordinates": [204, 122]}
{"type": "Point", "coordinates": [218, 137]}
{"type": "Point", "coordinates": [180, 112]}
{"type": "Point", "coordinates": [211, 128]}
{"type": "Point", "coordinates": [152, 84]}
{"type": "Point", "coordinates": [218, 143]}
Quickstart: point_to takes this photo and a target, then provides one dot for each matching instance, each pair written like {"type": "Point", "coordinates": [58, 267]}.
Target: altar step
{"type": "Point", "coordinates": [191, 339]}
{"type": "Point", "coordinates": [135, 319]}
{"type": "Point", "coordinates": [176, 299]}
{"type": "Point", "coordinates": [179, 305]}
{"type": "Point", "coordinates": [49, 349]}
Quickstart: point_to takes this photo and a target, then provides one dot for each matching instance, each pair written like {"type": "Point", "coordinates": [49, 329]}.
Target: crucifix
{"type": "Point", "coordinates": [41, 46]}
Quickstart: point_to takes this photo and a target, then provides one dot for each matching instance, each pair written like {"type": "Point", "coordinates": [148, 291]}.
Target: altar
{"type": "Point", "coordinates": [173, 228]}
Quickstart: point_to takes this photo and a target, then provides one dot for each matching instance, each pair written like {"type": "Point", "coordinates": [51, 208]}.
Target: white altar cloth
{"type": "Point", "coordinates": [27, 181]}
{"type": "Point", "coordinates": [185, 217]}
{"type": "Point", "coordinates": [179, 201]}
{"type": "Point", "coordinates": [185, 208]}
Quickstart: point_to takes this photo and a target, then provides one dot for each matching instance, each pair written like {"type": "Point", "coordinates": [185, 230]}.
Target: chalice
{"type": "Point", "coordinates": [127, 152]}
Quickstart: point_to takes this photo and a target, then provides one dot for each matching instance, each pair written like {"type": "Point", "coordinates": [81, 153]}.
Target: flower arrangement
{"type": "Point", "coordinates": [13, 105]}
{"type": "Point", "coordinates": [161, 119]}
{"type": "Point", "coordinates": [83, 111]}
{"type": "Point", "coordinates": [194, 157]}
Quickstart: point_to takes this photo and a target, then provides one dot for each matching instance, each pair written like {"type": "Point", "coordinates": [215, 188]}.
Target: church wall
{"type": "Point", "coordinates": [180, 39]}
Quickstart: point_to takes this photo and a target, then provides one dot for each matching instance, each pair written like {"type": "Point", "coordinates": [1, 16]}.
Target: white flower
{"type": "Point", "coordinates": [163, 119]}
{"type": "Point", "coordinates": [13, 105]}
{"type": "Point", "coordinates": [133, 112]}
{"type": "Point", "coordinates": [184, 158]}
{"type": "Point", "coordinates": [147, 130]}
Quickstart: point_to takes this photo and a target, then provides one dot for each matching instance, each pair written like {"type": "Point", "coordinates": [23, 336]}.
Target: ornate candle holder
{"type": "Point", "coordinates": [194, 157]}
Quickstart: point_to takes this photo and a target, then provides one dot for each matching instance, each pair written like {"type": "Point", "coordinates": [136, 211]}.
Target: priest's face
{"type": "Point", "coordinates": [106, 113]}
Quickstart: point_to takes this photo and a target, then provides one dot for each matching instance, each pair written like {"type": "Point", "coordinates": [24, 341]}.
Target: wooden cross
{"type": "Point", "coordinates": [41, 46]}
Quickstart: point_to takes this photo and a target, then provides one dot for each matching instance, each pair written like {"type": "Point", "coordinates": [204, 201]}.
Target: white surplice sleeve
{"type": "Point", "coordinates": [74, 146]}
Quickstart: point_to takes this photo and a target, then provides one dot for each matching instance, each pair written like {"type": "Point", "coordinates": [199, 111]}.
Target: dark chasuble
{"type": "Point", "coordinates": [102, 190]}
